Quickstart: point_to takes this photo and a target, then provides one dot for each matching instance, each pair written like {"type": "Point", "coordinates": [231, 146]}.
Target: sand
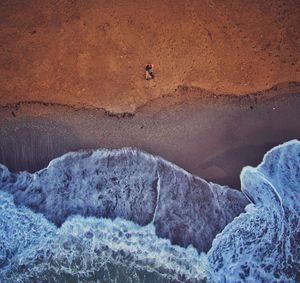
{"type": "Point", "coordinates": [210, 135]}
{"type": "Point", "coordinates": [92, 53]}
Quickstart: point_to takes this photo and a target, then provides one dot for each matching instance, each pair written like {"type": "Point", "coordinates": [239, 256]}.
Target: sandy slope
{"type": "Point", "coordinates": [93, 52]}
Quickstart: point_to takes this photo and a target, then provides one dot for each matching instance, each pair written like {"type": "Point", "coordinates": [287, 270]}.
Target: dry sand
{"type": "Point", "coordinates": [93, 52]}
{"type": "Point", "coordinates": [212, 136]}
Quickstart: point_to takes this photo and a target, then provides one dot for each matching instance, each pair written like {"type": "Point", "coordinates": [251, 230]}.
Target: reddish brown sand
{"type": "Point", "coordinates": [93, 52]}
{"type": "Point", "coordinates": [62, 57]}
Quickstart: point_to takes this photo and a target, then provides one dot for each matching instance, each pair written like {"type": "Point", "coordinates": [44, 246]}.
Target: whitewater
{"type": "Point", "coordinates": [126, 216]}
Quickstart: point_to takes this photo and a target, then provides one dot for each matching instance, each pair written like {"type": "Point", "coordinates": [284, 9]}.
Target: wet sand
{"type": "Point", "coordinates": [212, 136]}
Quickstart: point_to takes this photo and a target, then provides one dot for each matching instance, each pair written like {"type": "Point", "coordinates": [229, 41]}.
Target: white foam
{"type": "Point", "coordinates": [86, 248]}
{"type": "Point", "coordinates": [263, 244]}
{"type": "Point", "coordinates": [260, 245]}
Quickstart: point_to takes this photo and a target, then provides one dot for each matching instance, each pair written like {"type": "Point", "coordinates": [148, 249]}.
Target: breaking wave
{"type": "Point", "coordinates": [132, 185]}
{"type": "Point", "coordinates": [263, 244]}
{"type": "Point", "coordinates": [127, 216]}
{"type": "Point", "coordinates": [89, 249]}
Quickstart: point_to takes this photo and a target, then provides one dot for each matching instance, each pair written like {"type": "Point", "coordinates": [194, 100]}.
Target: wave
{"type": "Point", "coordinates": [103, 215]}
{"type": "Point", "coordinates": [89, 249]}
{"type": "Point", "coordinates": [263, 244]}
{"type": "Point", "coordinates": [132, 185]}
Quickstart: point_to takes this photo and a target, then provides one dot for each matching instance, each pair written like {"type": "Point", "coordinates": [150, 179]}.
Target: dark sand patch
{"type": "Point", "coordinates": [210, 136]}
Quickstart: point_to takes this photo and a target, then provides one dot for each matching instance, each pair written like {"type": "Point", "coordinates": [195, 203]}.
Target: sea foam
{"type": "Point", "coordinates": [54, 227]}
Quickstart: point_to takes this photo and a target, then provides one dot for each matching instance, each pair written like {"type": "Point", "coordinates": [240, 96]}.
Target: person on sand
{"type": "Point", "coordinates": [149, 71]}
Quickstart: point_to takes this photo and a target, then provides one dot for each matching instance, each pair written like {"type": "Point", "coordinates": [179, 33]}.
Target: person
{"type": "Point", "coordinates": [149, 71]}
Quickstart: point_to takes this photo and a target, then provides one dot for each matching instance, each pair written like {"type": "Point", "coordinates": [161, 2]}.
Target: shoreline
{"type": "Point", "coordinates": [181, 93]}
{"type": "Point", "coordinates": [211, 137]}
